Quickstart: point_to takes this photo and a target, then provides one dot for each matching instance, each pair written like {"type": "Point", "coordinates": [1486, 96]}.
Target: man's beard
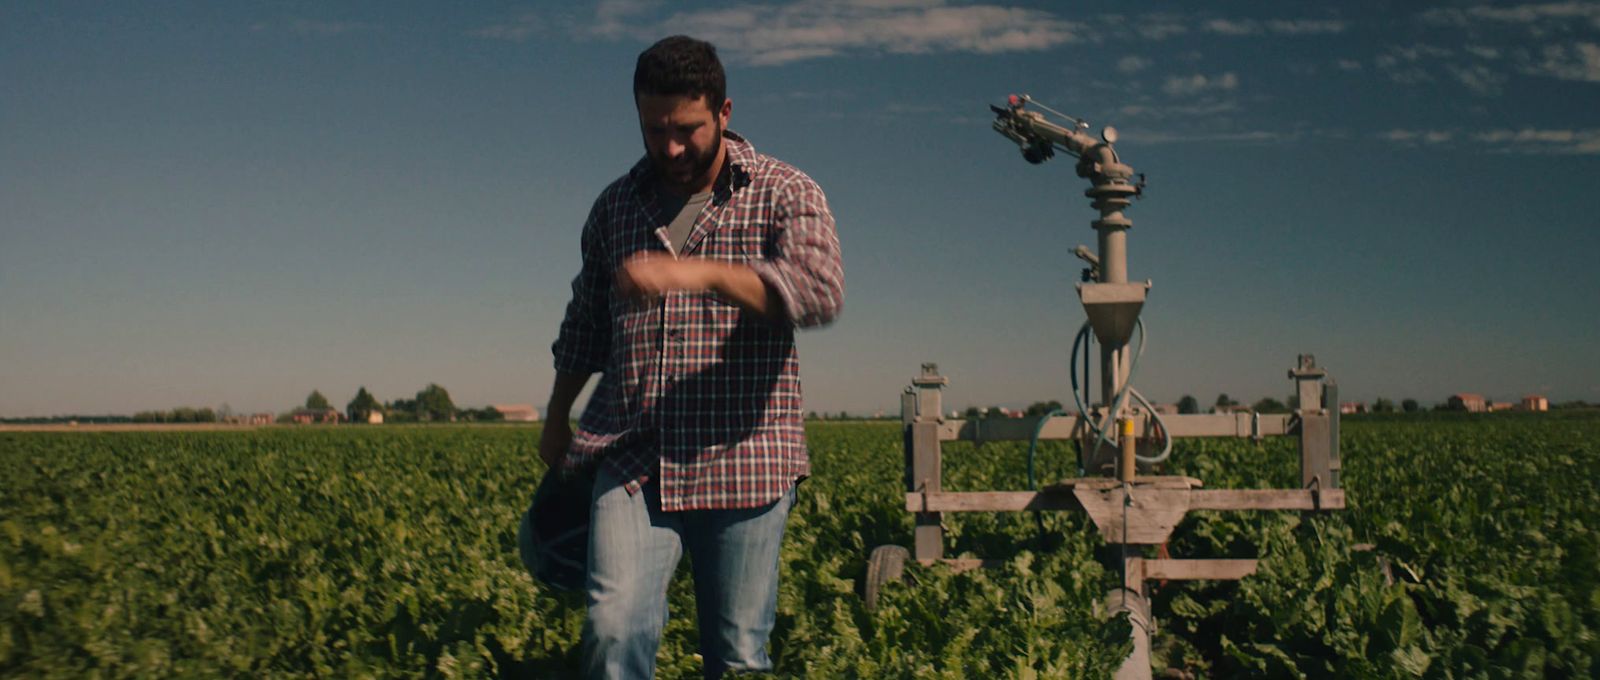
{"type": "Point", "coordinates": [699, 165]}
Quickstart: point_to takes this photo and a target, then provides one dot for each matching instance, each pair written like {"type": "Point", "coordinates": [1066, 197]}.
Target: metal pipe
{"type": "Point", "coordinates": [1129, 442]}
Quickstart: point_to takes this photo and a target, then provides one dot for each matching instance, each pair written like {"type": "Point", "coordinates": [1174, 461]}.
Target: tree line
{"type": "Point", "coordinates": [430, 404]}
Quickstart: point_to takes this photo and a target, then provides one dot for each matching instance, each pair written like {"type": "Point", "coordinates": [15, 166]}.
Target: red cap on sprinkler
{"type": "Point", "coordinates": [1014, 101]}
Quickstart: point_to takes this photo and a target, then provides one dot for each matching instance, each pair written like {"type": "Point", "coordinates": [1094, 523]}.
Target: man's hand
{"type": "Point", "coordinates": [649, 276]}
{"type": "Point", "coordinates": [554, 442]}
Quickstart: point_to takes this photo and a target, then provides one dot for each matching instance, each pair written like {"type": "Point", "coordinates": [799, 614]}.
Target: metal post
{"type": "Point", "coordinates": [1330, 396]}
{"type": "Point", "coordinates": [1318, 413]}
{"type": "Point", "coordinates": [1110, 194]}
{"type": "Point", "coordinates": [925, 463]}
{"type": "Point", "coordinates": [1130, 598]}
{"type": "Point", "coordinates": [908, 416]}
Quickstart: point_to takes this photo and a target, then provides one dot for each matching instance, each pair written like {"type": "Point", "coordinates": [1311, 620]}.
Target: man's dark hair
{"type": "Point", "coordinates": [681, 66]}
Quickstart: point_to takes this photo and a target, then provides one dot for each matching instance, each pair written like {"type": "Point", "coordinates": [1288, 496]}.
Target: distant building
{"type": "Point", "coordinates": [374, 417]}
{"type": "Point", "coordinates": [1535, 402]}
{"type": "Point", "coordinates": [261, 419]}
{"type": "Point", "coordinates": [518, 413]}
{"type": "Point", "coordinates": [1471, 403]}
{"type": "Point", "coordinates": [308, 416]}
{"type": "Point", "coordinates": [1501, 406]}
{"type": "Point", "coordinates": [1349, 407]}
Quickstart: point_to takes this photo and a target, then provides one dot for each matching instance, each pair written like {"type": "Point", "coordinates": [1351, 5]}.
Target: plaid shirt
{"type": "Point", "coordinates": [696, 391]}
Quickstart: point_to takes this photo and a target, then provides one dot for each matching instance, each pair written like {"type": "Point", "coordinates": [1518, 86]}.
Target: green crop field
{"type": "Point", "coordinates": [390, 552]}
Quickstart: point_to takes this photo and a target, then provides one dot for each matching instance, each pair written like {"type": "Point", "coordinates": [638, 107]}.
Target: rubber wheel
{"type": "Point", "coordinates": [887, 563]}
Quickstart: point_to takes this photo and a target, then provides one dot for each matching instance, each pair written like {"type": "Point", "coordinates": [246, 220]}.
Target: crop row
{"type": "Point", "coordinates": [389, 552]}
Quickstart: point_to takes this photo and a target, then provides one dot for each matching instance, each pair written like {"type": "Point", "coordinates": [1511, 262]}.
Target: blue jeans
{"type": "Point", "coordinates": [634, 548]}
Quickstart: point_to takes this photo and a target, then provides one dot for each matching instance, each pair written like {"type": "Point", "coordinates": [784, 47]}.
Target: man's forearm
{"type": "Point", "coordinates": [743, 287]}
{"type": "Point", "coordinates": [563, 393]}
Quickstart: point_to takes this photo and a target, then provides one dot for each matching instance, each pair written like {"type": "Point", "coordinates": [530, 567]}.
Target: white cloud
{"type": "Point", "coordinates": [1306, 26]}
{"type": "Point", "coordinates": [1414, 137]}
{"type": "Point", "coordinates": [1182, 86]}
{"type": "Point", "coordinates": [1504, 140]}
{"type": "Point", "coordinates": [1232, 27]}
{"type": "Point", "coordinates": [810, 29]}
{"type": "Point", "coordinates": [1538, 16]}
{"type": "Point", "coordinates": [1159, 28]}
{"type": "Point", "coordinates": [1348, 65]}
{"type": "Point", "coordinates": [1237, 27]}
{"type": "Point", "coordinates": [1580, 61]}
{"type": "Point", "coordinates": [1542, 141]}
{"type": "Point", "coordinates": [1241, 137]}
{"type": "Point", "coordinates": [1480, 79]}
{"type": "Point", "coordinates": [517, 29]}
{"type": "Point", "coordinates": [1200, 109]}
{"type": "Point", "coordinates": [1132, 64]}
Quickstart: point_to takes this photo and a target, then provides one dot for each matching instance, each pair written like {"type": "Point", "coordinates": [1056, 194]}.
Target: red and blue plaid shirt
{"type": "Point", "coordinates": [695, 391]}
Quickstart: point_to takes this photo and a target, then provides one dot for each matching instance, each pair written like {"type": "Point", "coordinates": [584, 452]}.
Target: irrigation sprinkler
{"type": "Point", "coordinates": [1122, 437]}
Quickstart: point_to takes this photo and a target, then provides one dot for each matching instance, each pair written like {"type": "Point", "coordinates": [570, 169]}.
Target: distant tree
{"type": "Point", "coordinates": [1382, 405]}
{"type": "Point", "coordinates": [316, 402]}
{"type": "Point", "coordinates": [433, 403]}
{"type": "Point", "coordinates": [1269, 405]}
{"type": "Point", "coordinates": [811, 415]}
{"type": "Point", "coordinates": [1224, 401]}
{"type": "Point", "coordinates": [1410, 405]}
{"type": "Point", "coordinates": [994, 412]}
{"type": "Point", "coordinates": [972, 412]}
{"type": "Point", "coordinates": [1293, 402]}
{"type": "Point", "coordinates": [843, 415]}
{"type": "Point", "coordinates": [225, 412]}
{"type": "Point", "coordinates": [205, 415]}
{"type": "Point", "coordinates": [1040, 408]}
{"type": "Point", "coordinates": [1188, 404]}
{"type": "Point", "coordinates": [362, 406]}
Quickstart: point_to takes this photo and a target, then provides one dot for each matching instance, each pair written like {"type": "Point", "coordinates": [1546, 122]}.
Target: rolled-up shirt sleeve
{"type": "Point", "coordinates": [803, 265]}
{"type": "Point", "coordinates": [585, 339]}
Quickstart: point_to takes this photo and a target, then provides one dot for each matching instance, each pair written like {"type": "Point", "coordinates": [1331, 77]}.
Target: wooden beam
{"type": "Point", "coordinates": [1192, 570]}
{"type": "Point", "coordinates": [1073, 426]}
{"type": "Point", "coordinates": [1140, 482]}
{"type": "Point", "coordinates": [1063, 498]}
{"type": "Point", "coordinates": [990, 501]}
{"type": "Point", "coordinates": [1266, 499]}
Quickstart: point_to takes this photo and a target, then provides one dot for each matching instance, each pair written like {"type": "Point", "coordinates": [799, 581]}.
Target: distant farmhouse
{"type": "Point", "coordinates": [518, 413]}
{"type": "Point", "coordinates": [308, 416]}
{"type": "Point", "coordinates": [1469, 402]}
{"type": "Point", "coordinates": [1476, 403]}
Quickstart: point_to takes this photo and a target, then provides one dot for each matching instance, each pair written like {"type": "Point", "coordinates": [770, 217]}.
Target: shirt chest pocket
{"type": "Point", "coordinates": [736, 244]}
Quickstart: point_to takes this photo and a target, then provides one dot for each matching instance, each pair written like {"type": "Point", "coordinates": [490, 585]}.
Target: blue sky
{"type": "Point", "coordinates": [236, 203]}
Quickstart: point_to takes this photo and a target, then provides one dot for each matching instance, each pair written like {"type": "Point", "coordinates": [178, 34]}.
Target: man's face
{"type": "Point", "coordinates": [683, 138]}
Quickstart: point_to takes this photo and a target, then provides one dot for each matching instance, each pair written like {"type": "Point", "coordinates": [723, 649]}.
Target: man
{"type": "Point", "coordinates": [698, 266]}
